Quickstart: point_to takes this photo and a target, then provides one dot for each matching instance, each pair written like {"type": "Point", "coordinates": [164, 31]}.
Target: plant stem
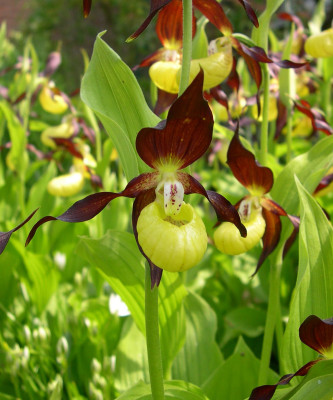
{"type": "Point", "coordinates": [272, 311]}
{"type": "Point", "coordinates": [265, 111]}
{"type": "Point", "coordinates": [153, 339]}
{"type": "Point", "coordinates": [187, 46]}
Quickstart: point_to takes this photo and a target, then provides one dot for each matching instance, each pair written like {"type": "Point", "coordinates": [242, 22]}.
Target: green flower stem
{"type": "Point", "coordinates": [265, 112]}
{"type": "Point", "coordinates": [289, 134]}
{"type": "Point", "coordinates": [153, 339]}
{"type": "Point", "coordinates": [272, 312]}
{"type": "Point", "coordinates": [187, 46]}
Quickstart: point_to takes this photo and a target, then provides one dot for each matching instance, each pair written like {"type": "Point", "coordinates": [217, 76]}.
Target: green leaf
{"type": "Point", "coordinates": [111, 90]}
{"type": "Point", "coordinates": [314, 285]}
{"type": "Point", "coordinates": [41, 277]}
{"type": "Point", "coordinates": [200, 355]}
{"type": "Point", "coordinates": [119, 260]}
{"type": "Point", "coordinates": [17, 155]}
{"type": "Point", "coordinates": [174, 390]}
{"type": "Point", "coordinates": [237, 376]}
{"type": "Point", "coordinates": [200, 41]}
{"type": "Point", "coordinates": [309, 169]}
{"type": "Point", "coordinates": [131, 357]}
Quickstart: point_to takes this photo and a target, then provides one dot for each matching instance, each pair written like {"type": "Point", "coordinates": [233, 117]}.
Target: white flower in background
{"type": "Point", "coordinates": [117, 306]}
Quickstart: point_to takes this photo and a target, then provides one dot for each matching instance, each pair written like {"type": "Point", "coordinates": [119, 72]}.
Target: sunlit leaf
{"type": "Point", "coordinates": [119, 260]}
{"type": "Point", "coordinates": [196, 366]}
{"type": "Point", "coordinates": [111, 90]}
{"type": "Point", "coordinates": [313, 291]}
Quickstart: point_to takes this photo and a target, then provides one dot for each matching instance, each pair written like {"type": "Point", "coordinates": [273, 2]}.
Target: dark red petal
{"type": "Point", "coordinates": [317, 333]}
{"type": "Point", "coordinates": [164, 101]}
{"type": "Point", "coordinates": [140, 203]}
{"type": "Point", "coordinates": [250, 12]}
{"type": "Point", "coordinates": [318, 120]}
{"type": "Point", "coordinates": [252, 64]}
{"type": "Point", "coordinates": [90, 206]}
{"type": "Point", "coordinates": [266, 392]}
{"type": "Point", "coordinates": [246, 169]}
{"type": "Point", "coordinates": [324, 183]}
{"type": "Point", "coordinates": [86, 7]}
{"type": "Point", "coordinates": [292, 18]}
{"type": "Point", "coordinates": [213, 11]}
{"type": "Point", "coordinates": [155, 6]}
{"type": "Point", "coordinates": [271, 236]}
{"type": "Point", "coordinates": [151, 59]}
{"type": "Point", "coordinates": [281, 119]}
{"type": "Point", "coordinates": [225, 211]}
{"type": "Point", "coordinates": [186, 134]}
{"type": "Point", "coordinates": [5, 236]}
{"type": "Point", "coordinates": [68, 145]}
{"type": "Point", "coordinates": [169, 25]}
{"type": "Point", "coordinates": [274, 207]}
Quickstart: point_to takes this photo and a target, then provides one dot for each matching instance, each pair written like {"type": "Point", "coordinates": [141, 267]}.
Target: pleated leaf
{"type": "Point", "coordinates": [111, 90]}
{"type": "Point", "coordinates": [174, 390]}
{"type": "Point", "coordinates": [196, 366]}
{"type": "Point", "coordinates": [119, 260]}
{"type": "Point", "coordinates": [313, 294]}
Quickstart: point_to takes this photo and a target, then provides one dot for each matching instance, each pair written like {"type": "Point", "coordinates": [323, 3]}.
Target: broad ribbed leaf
{"type": "Point", "coordinates": [196, 366]}
{"type": "Point", "coordinates": [119, 260]}
{"type": "Point", "coordinates": [237, 376]}
{"type": "Point", "coordinates": [309, 168]}
{"type": "Point", "coordinates": [313, 291]}
{"type": "Point", "coordinates": [174, 390]}
{"type": "Point", "coordinates": [111, 90]}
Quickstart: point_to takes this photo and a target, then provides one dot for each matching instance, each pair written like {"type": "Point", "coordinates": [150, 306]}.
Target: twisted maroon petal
{"type": "Point", "coordinates": [155, 7]}
{"type": "Point", "coordinates": [5, 236]}
{"type": "Point", "coordinates": [90, 206]}
{"type": "Point", "coordinates": [271, 236]}
{"type": "Point", "coordinates": [317, 333]}
{"type": "Point", "coordinates": [266, 392]}
{"type": "Point", "coordinates": [225, 211]}
{"type": "Point", "coordinates": [246, 169]}
{"type": "Point", "coordinates": [250, 12]}
{"type": "Point", "coordinates": [213, 11]}
{"type": "Point", "coordinates": [164, 101]}
{"type": "Point", "coordinates": [186, 134]}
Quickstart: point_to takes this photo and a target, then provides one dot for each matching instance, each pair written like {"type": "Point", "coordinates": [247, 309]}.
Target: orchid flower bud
{"type": "Point", "coordinates": [228, 239]}
{"type": "Point", "coordinates": [174, 243]}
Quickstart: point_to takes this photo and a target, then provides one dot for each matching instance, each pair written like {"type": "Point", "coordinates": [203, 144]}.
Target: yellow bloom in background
{"type": "Point", "coordinates": [216, 66]}
{"type": "Point", "coordinates": [66, 185]}
{"type": "Point", "coordinates": [272, 107]}
{"type": "Point", "coordinates": [64, 130]}
{"type": "Point", "coordinates": [51, 100]}
{"type": "Point", "coordinates": [321, 45]}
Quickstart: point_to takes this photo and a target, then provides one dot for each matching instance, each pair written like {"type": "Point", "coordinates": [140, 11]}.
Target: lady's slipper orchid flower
{"type": "Point", "coordinates": [314, 332]}
{"type": "Point", "coordinates": [259, 214]}
{"type": "Point", "coordinates": [217, 66]}
{"type": "Point", "coordinates": [168, 148]}
{"type": "Point", "coordinates": [51, 100]}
